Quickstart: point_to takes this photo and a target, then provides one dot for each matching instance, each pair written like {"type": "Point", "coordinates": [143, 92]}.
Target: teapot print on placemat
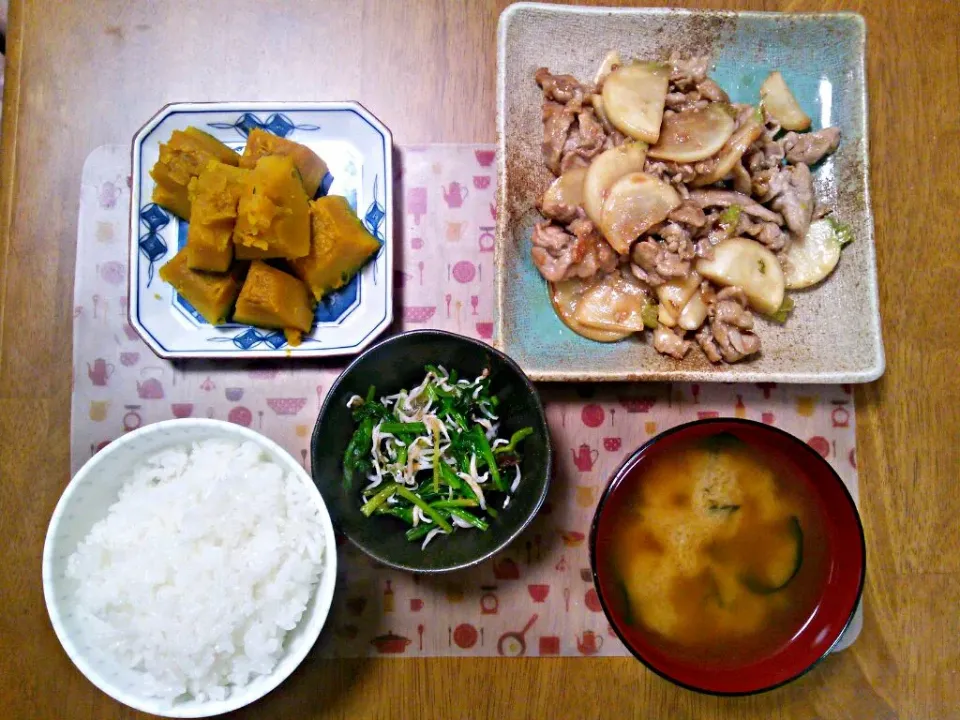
{"type": "Point", "coordinates": [589, 643]}
{"type": "Point", "coordinates": [454, 194]}
{"type": "Point", "coordinates": [99, 371]}
{"type": "Point", "coordinates": [584, 457]}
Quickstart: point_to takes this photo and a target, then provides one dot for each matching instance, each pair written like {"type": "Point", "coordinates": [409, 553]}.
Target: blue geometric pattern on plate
{"type": "Point", "coordinates": [336, 305]}
{"type": "Point", "coordinates": [277, 123]}
{"type": "Point", "coordinates": [375, 213]}
{"type": "Point", "coordinates": [151, 244]}
{"type": "Point", "coordinates": [252, 337]}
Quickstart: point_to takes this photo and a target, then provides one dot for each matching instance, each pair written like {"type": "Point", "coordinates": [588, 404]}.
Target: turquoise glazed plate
{"type": "Point", "coordinates": [833, 335]}
{"type": "Point", "coordinates": [358, 151]}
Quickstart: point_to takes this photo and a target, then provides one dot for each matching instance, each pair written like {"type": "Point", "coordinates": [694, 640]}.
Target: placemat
{"type": "Point", "coordinates": [536, 597]}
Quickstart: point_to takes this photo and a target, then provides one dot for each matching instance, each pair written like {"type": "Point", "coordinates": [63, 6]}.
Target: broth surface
{"type": "Point", "coordinates": [718, 549]}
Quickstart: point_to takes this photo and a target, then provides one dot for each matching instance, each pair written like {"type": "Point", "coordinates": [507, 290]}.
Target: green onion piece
{"type": "Point", "coordinates": [357, 452]}
{"type": "Point", "coordinates": [516, 438]}
{"type": "Point", "coordinates": [484, 447]}
{"type": "Point", "coordinates": [415, 533]}
{"type": "Point", "coordinates": [841, 231]}
{"type": "Point", "coordinates": [470, 518]}
{"type": "Point", "coordinates": [371, 392]}
{"type": "Point", "coordinates": [731, 216]}
{"type": "Point", "coordinates": [380, 498]}
{"type": "Point", "coordinates": [786, 307]}
{"type": "Point", "coordinates": [492, 512]}
{"type": "Point", "coordinates": [427, 510]}
{"type": "Point", "coordinates": [458, 502]}
{"type": "Point", "coordinates": [404, 513]}
{"type": "Point", "coordinates": [402, 455]}
{"type": "Point", "coordinates": [649, 315]}
{"type": "Point", "coordinates": [437, 462]}
{"type": "Point", "coordinates": [449, 476]}
{"type": "Point", "coordinates": [399, 428]}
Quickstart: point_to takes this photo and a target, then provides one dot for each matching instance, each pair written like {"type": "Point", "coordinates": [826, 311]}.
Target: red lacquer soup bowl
{"type": "Point", "coordinates": [834, 581]}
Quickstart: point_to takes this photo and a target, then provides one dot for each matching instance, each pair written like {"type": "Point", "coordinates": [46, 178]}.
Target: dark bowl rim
{"type": "Point", "coordinates": [532, 391]}
{"type": "Point", "coordinates": [615, 479]}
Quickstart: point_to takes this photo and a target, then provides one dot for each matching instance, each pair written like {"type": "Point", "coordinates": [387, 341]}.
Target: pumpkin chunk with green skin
{"type": "Point", "coordinates": [273, 215]}
{"type": "Point", "coordinates": [339, 246]}
{"type": "Point", "coordinates": [182, 157]}
{"type": "Point", "coordinates": [271, 298]}
{"type": "Point", "coordinates": [214, 196]}
{"type": "Point", "coordinates": [311, 166]}
{"type": "Point", "coordinates": [211, 294]}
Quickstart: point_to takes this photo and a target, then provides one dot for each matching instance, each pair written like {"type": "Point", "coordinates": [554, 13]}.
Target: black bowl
{"type": "Point", "coordinates": [397, 363]}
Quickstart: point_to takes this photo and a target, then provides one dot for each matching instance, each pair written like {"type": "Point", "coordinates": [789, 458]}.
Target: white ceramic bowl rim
{"type": "Point", "coordinates": [315, 616]}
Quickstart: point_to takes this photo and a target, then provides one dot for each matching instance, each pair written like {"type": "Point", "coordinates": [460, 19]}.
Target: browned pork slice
{"type": "Point", "coordinates": [810, 148]}
{"type": "Point", "coordinates": [728, 198]}
{"type": "Point", "coordinates": [667, 342]}
{"type": "Point", "coordinates": [561, 255]}
{"type": "Point", "coordinates": [791, 194]}
{"type": "Point", "coordinates": [560, 88]}
{"type": "Point", "coordinates": [729, 334]}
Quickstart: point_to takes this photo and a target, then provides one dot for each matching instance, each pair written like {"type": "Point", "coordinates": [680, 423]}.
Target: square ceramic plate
{"type": "Point", "coordinates": [833, 336]}
{"type": "Point", "coordinates": [358, 151]}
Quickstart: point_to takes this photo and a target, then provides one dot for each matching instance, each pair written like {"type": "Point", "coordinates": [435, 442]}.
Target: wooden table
{"type": "Point", "coordinates": [81, 74]}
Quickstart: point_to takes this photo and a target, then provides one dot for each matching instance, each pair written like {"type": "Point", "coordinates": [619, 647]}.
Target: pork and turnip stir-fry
{"type": "Point", "coordinates": [677, 210]}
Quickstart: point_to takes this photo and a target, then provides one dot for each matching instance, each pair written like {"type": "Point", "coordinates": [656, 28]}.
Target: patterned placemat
{"type": "Point", "coordinates": [535, 598]}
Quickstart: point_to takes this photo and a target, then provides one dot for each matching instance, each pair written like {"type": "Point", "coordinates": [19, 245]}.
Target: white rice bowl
{"type": "Point", "coordinates": [189, 567]}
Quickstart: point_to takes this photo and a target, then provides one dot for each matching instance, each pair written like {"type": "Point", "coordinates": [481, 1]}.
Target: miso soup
{"type": "Point", "coordinates": [717, 550]}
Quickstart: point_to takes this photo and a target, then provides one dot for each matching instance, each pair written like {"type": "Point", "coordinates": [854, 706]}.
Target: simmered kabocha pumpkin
{"type": "Point", "coordinates": [261, 143]}
{"type": "Point", "coordinates": [272, 298]}
{"type": "Point", "coordinates": [273, 216]}
{"type": "Point", "coordinates": [339, 246]}
{"type": "Point", "coordinates": [211, 294]}
{"type": "Point", "coordinates": [214, 196]}
{"type": "Point", "coordinates": [181, 159]}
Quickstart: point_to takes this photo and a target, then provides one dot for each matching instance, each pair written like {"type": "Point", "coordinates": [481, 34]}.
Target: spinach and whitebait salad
{"type": "Point", "coordinates": [432, 456]}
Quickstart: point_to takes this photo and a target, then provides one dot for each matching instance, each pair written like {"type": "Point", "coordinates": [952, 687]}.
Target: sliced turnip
{"type": "Point", "coordinates": [565, 194]}
{"type": "Point", "coordinates": [608, 167]}
{"type": "Point", "coordinates": [634, 96]}
{"type": "Point", "coordinates": [635, 203]}
{"type": "Point", "coordinates": [781, 105]}
{"type": "Point", "coordinates": [675, 294]}
{"type": "Point", "coordinates": [610, 61]}
{"type": "Point", "coordinates": [812, 259]}
{"type": "Point", "coordinates": [693, 135]}
{"type": "Point", "coordinates": [665, 317]}
{"type": "Point", "coordinates": [751, 267]}
{"type": "Point", "coordinates": [617, 303]}
{"type": "Point", "coordinates": [731, 153]}
{"type": "Point", "coordinates": [694, 313]}
{"type": "Point", "coordinates": [565, 297]}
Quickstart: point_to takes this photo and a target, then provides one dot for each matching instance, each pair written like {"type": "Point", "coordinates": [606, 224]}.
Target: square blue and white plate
{"type": "Point", "coordinates": [358, 151]}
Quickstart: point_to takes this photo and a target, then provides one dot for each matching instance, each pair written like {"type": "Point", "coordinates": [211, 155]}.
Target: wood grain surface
{"type": "Point", "coordinates": [85, 73]}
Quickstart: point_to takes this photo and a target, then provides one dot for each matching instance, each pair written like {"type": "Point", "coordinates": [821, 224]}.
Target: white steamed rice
{"type": "Point", "coordinates": [205, 562]}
